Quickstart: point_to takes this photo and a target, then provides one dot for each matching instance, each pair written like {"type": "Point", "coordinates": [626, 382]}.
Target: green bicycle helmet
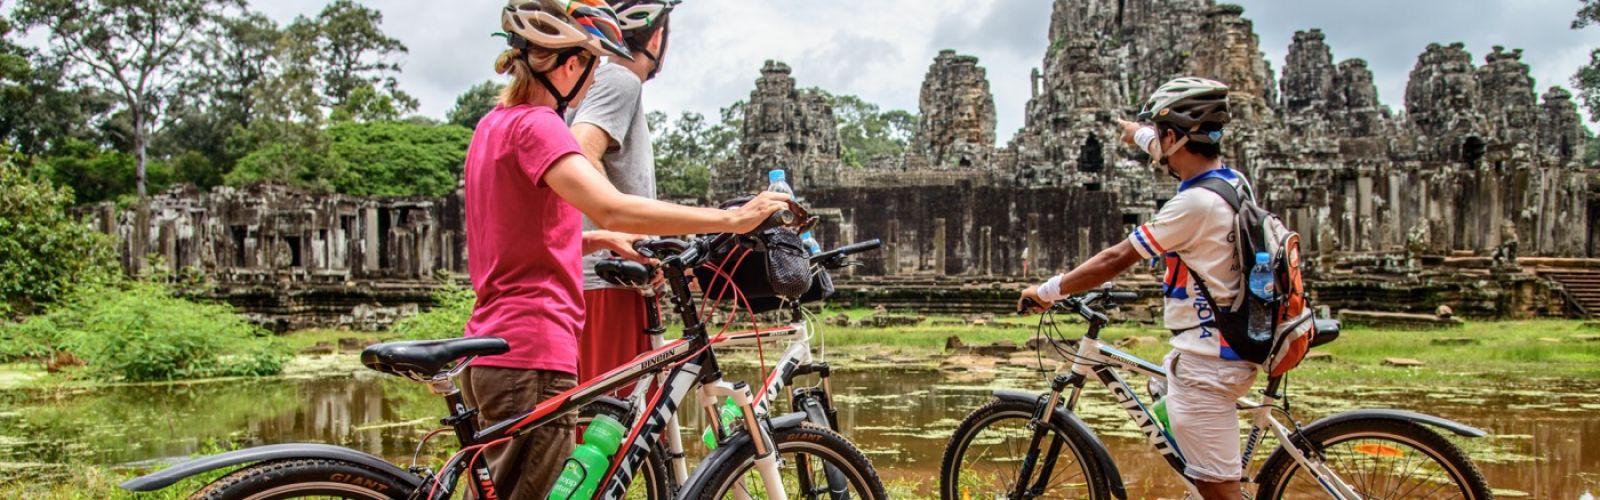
{"type": "Point", "coordinates": [1186, 104]}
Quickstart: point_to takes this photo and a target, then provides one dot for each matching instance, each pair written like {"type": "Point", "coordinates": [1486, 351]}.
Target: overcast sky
{"type": "Point", "coordinates": [881, 50]}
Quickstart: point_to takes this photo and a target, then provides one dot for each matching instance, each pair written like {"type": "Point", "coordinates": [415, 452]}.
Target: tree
{"type": "Point", "coordinates": [686, 149]}
{"type": "Point", "coordinates": [351, 51]}
{"type": "Point", "coordinates": [133, 49]}
{"type": "Point", "coordinates": [37, 110]}
{"type": "Point", "coordinates": [44, 254]}
{"type": "Point", "coordinates": [474, 103]}
{"type": "Point", "coordinates": [865, 132]}
{"type": "Point", "coordinates": [233, 60]}
{"type": "Point", "coordinates": [1587, 80]}
{"type": "Point", "coordinates": [397, 158]}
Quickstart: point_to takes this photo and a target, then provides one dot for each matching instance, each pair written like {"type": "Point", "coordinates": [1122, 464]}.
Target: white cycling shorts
{"type": "Point", "coordinates": [1201, 391]}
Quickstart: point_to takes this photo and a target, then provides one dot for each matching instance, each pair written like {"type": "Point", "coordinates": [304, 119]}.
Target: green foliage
{"type": "Point", "coordinates": [141, 331]}
{"type": "Point", "coordinates": [289, 163]}
{"type": "Point", "coordinates": [474, 103]}
{"type": "Point", "coordinates": [1587, 79]}
{"type": "Point", "coordinates": [686, 149]}
{"type": "Point", "coordinates": [97, 175]}
{"type": "Point", "coordinates": [397, 158]}
{"type": "Point", "coordinates": [132, 49]}
{"type": "Point", "coordinates": [43, 253]}
{"type": "Point", "coordinates": [349, 50]}
{"type": "Point", "coordinates": [865, 132]}
{"type": "Point", "coordinates": [452, 307]}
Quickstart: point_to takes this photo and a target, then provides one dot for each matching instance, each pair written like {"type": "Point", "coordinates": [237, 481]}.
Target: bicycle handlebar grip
{"type": "Point", "coordinates": [1123, 296]}
{"type": "Point", "coordinates": [1026, 304]}
{"type": "Point", "coordinates": [865, 246]}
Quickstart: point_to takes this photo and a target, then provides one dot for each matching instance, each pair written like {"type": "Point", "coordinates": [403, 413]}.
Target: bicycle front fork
{"type": "Point", "coordinates": [766, 462]}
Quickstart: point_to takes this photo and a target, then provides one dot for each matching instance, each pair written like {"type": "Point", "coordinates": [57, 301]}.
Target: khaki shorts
{"type": "Point", "coordinates": [1201, 391]}
{"type": "Point", "coordinates": [526, 467]}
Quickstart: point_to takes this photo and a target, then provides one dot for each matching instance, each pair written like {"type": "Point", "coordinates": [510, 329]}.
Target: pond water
{"type": "Point", "coordinates": [1545, 439]}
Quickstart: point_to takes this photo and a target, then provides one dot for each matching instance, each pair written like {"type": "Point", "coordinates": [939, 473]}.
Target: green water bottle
{"type": "Point", "coordinates": [581, 474]}
{"type": "Point", "coordinates": [1160, 410]}
{"type": "Point", "coordinates": [730, 412]}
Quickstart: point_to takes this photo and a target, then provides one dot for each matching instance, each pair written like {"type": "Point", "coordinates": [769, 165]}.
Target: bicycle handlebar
{"type": "Point", "coordinates": [833, 259]}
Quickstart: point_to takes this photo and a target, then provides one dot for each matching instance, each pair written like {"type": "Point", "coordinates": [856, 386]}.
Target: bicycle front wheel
{"type": "Point", "coordinates": [1379, 458]}
{"type": "Point", "coordinates": [985, 456]}
{"type": "Point", "coordinates": [809, 452]}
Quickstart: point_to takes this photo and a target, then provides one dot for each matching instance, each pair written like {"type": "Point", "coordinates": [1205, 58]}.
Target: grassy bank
{"type": "Point", "coordinates": [1492, 351]}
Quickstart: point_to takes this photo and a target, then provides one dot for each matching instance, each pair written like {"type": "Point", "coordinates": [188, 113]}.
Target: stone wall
{"type": "Point", "coordinates": [293, 259]}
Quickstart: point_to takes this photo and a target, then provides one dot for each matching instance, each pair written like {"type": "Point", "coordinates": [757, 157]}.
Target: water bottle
{"type": "Point", "coordinates": [779, 182]}
{"type": "Point", "coordinates": [812, 247]}
{"type": "Point", "coordinates": [1263, 287]}
{"type": "Point", "coordinates": [1261, 282]}
{"type": "Point", "coordinates": [580, 476]}
{"type": "Point", "coordinates": [730, 412]}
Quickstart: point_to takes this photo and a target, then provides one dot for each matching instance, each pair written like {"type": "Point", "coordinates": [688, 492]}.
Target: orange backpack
{"type": "Point", "coordinates": [1292, 329]}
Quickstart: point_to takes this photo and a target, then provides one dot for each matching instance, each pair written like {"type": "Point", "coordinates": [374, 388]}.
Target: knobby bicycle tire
{"type": "Point", "coordinates": [298, 478]}
{"type": "Point", "coordinates": [1076, 444]}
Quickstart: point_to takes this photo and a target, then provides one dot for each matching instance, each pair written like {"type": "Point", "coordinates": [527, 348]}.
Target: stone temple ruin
{"type": "Point", "coordinates": [1473, 196]}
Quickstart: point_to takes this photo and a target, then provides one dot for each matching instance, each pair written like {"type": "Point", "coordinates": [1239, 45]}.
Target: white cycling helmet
{"type": "Point", "coordinates": [559, 24]}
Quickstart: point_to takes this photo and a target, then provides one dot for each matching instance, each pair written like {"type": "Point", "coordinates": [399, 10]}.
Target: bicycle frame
{"type": "Point", "coordinates": [795, 361]}
{"type": "Point", "coordinates": [689, 363]}
{"type": "Point", "coordinates": [1095, 358]}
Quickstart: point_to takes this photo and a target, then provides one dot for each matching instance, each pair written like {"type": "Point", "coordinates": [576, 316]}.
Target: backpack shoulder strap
{"type": "Point", "coordinates": [1223, 188]}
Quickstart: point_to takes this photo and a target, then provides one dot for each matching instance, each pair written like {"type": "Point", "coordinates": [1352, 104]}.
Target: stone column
{"type": "Point", "coordinates": [891, 249]}
{"type": "Point", "coordinates": [985, 250]}
{"type": "Point", "coordinates": [939, 245]}
{"type": "Point", "coordinates": [369, 240]}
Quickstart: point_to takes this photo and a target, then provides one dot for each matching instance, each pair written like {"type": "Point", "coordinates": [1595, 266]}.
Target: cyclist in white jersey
{"type": "Point", "coordinates": [1181, 126]}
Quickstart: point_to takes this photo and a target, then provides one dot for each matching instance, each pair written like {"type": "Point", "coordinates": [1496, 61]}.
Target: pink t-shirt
{"type": "Point", "coordinates": [524, 243]}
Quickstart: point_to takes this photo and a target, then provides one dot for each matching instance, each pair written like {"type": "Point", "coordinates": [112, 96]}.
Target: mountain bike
{"type": "Point", "coordinates": [755, 444]}
{"type": "Point", "coordinates": [1024, 446]}
{"type": "Point", "coordinates": [667, 458]}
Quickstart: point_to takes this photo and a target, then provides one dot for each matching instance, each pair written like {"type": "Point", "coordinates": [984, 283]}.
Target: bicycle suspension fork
{"type": "Point", "coordinates": [1040, 424]}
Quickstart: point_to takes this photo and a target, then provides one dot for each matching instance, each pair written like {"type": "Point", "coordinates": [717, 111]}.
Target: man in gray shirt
{"type": "Point", "coordinates": [610, 127]}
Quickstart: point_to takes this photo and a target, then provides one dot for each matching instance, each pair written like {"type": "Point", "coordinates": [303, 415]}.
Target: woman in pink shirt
{"type": "Point", "coordinates": [527, 187]}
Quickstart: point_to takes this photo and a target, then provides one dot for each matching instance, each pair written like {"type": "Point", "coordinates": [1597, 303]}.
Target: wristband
{"type": "Point", "coordinates": [1145, 138]}
{"type": "Point", "coordinates": [1050, 291]}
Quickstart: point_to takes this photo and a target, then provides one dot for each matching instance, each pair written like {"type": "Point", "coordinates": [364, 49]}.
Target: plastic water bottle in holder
{"type": "Point", "coordinates": [779, 182]}
{"type": "Point", "coordinates": [812, 247]}
{"type": "Point", "coordinates": [730, 412]}
{"type": "Point", "coordinates": [1263, 287]}
{"type": "Point", "coordinates": [580, 476]}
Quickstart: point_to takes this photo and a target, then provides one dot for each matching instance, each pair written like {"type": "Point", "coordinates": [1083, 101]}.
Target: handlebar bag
{"type": "Point", "coordinates": [777, 266]}
{"type": "Point", "coordinates": [821, 289]}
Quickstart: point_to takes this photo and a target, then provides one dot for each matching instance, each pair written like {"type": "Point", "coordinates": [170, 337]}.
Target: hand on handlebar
{"type": "Point", "coordinates": [618, 243]}
{"type": "Point", "coordinates": [1030, 303]}
{"type": "Point", "coordinates": [754, 214]}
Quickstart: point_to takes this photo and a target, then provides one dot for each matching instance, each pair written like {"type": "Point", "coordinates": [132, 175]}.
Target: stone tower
{"type": "Point", "coordinates": [783, 128]}
{"type": "Point", "coordinates": [958, 117]}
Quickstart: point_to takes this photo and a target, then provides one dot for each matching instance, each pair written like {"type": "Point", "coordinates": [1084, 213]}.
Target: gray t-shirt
{"type": "Point", "coordinates": [615, 104]}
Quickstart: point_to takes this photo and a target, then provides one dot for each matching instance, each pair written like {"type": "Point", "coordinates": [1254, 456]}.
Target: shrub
{"type": "Point", "coordinates": [452, 307]}
{"type": "Point", "coordinates": [43, 252]}
{"type": "Point", "coordinates": [141, 331]}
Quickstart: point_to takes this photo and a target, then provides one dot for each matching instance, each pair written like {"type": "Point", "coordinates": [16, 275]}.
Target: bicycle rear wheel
{"type": "Point", "coordinates": [305, 478]}
{"type": "Point", "coordinates": [1380, 458]}
{"type": "Point", "coordinates": [985, 455]}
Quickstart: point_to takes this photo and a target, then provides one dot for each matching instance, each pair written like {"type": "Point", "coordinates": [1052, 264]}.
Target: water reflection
{"type": "Point", "coordinates": [1543, 441]}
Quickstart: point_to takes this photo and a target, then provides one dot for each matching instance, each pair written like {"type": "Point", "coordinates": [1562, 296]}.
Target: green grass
{"type": "Point", "coordinates": [1504, 349]}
